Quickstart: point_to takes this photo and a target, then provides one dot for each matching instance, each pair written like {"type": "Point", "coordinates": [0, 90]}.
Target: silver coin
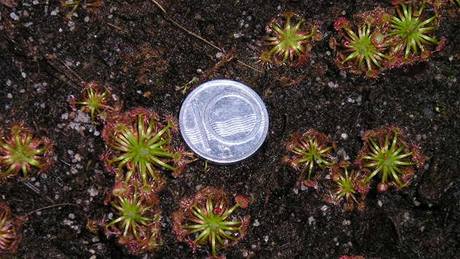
{"type": "Point", "coordinates": [223, 121]}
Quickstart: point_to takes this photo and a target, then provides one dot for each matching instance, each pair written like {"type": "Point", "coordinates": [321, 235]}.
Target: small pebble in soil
{"type": "Point", "coordinates": [332, 84]}
{"type": "Point", "coordinates": [14, 16]}
{"type": "Point", "coordinates": [93, 192]}
{"type": "Point", "coordinates": [266, 238]}
{"type": "Point", "coordinates": [9, 96]}
{"type": "Point", "coordinates": [311, 220]}
{"type": "Point", "coordinates": [346, 222]}
{"type": "Point", "coordinates": [71, 216]}
{"type": "Point", "coordinates": [342, 153]}
{"type": "Point", "coordinates": [256, 223]}
{"type": "Point", "coordinates": [219, 55]}
{"type": "Point", "coordinates": [344, 136]}
{"type": "Point", "coordinates": [380, 203]}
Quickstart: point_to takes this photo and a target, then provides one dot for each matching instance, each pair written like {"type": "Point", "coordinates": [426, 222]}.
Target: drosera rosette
{"type": "Point", "coordinates": [386, 153]}
{"type": "Point", "coordinates": [142, 145]}
{"type": "Point", "coordinates": [412, 33]}
{"type": "Point", "coordinates": [362, 46]}
{"type": "Point", "coordinates": [10, 230]}
{"type": "Point", "coordinates": [21, 152]}
{"type": "Point", "coordinates": [289, 40]}
{"type": "Point", "coordinates": [97, 101]}
{"type": "Point", "coordinates": [137, 218]}
{"type": "Point", "coordinates": [344, 188]}
{"type": "Point", "coordinates": [207, 219]}
{"type": "Point", "coordinates": [310, 153]}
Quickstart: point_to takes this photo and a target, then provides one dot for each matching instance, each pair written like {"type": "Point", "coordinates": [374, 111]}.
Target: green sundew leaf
{"type": "Point", "coordinates": [161, 153]}
{"type": "Point", "coordinates": [209, 206]}
{"type": "Point", "coordinates": [375, 172]}
{"type": "Point", "coordinates": [161, 163]}
{"type": "Point", "coordinates": [229, 212]}
{"type": "Point", "coordinates": [369, 157]}
{"type": "Point", "coordinates": [212, 238]}
{"type": "Point", "coordinates": [219, 239]}
{"type": "Point", "coordinates": [115, 221]}
{"type": "Point", "coordinates": [225, 235]}
{"type": "Point", "coordinates": [404, 155]}
{"type": "Point", "coordinates": [395, 176]}
{"type": "Point", "coordinates": [352, 56]}
{"type": "Point", "coordinates": [198, 213]}
{"type": "Point", "coordinates": [398, 162]}
{"type": "Point", "coordinates": [196, 227]}
{"type": "Point", "coordinates": [429, 39]}
{"type": "Point", "coordinates": [232, 229]}
{"type": "Point", "coordinates": [127, 223]}
{"type": "Point", "coordinates": [231, 223]}
{"type": "Point", "coordinates": [203, 236]}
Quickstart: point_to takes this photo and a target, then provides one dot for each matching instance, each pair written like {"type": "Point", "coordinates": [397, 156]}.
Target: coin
{"type": "Point", "coordinates": [223, 121]}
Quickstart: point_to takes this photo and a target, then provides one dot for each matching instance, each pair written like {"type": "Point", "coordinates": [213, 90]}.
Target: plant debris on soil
{"type": "Point", "coordinates": [141, 52]}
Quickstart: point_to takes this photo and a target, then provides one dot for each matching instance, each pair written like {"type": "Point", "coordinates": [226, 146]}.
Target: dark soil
{"type": "Point", "coordinates": [129, 46]}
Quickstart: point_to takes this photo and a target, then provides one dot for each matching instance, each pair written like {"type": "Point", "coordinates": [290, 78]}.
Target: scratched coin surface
{"type": "Point", "coordinates": [223, 121]}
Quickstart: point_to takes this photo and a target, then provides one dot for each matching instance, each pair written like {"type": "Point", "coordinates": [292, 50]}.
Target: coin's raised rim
{"type": "Point", "coordinates": [251, 93]}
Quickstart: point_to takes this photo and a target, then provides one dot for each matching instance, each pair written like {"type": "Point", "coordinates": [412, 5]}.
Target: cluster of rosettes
{"type": "Point", "coordinates": [96, 100]}
{"type": "Point", "coordinates": [208, 218]}
{"type": "Point", "coordinates": [10, 230]}
{"type": "Point", "coordinates": [383, 39]}
{"type": "Point", "coordinates": [141, 147]}
{"type": "Point", "coordinates": [21, 152]}
{"type": "Point", "coordinates": [289, 40]}
{"type": "Point", "coordinates": [386, 154]}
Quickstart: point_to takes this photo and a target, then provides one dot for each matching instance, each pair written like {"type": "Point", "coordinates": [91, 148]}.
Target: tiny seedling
{"type": "Point", "coordinates": [207, 218]}
{"type": "Point", "coordinates": [21, 152]}
{"type": "Point", "coordinates": [346, 187]}
{"type": "Point", "coordinates": [386, 153]}
{"type": "Point", "coordinates": [94, 100]}
{"type": "Point", "coordinates": [289, 40]}
{"type": "Point", "coordinates": [309, 153]}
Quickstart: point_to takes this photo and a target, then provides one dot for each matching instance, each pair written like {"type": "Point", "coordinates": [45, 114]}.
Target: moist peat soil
{"type": "Point", "coordinates": [143, 57]}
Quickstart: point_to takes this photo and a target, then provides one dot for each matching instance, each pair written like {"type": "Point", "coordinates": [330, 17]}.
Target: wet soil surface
{"type": "Point", "coordinates": [131, 47]}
